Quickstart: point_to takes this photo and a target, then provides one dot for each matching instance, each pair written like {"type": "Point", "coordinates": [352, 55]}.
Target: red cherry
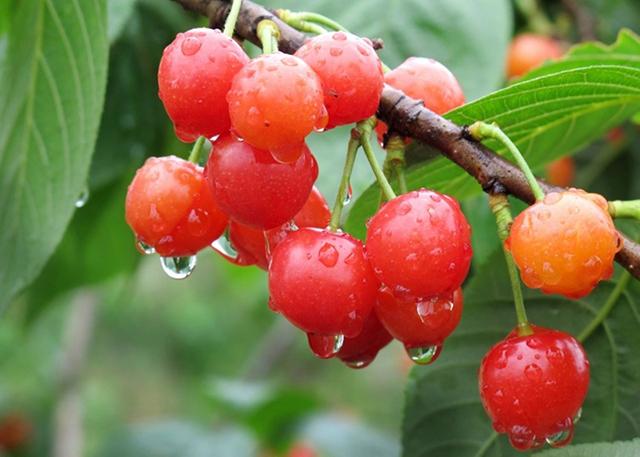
{"type": "Point", "coordinates": [250, 242]}
{"type": "Point", "coordinates": [275, 102]}
{"type": "Point", "coordinates": [359, 352]}
{"type": "Point", "coordinates": [194, 77]}
{"type": "Point", "coordinates": [561, 172]}
{"type": "Point", "coordinates": [419, 244]}
{"type": "Point", "coordinates": [253, 188]}
{"type": "Point", "coordinates": [420, 323]}
{"type": "Point", "coordinates": [302, 450]}
{"type": "Point", "coordinates": [322, 282]}
{"type": "Point", "coordinates": [528, 51]}
{"type": "Point", "coordinates": [170, 207]}
{"type": "Point", "coordinates": [533, 387]}
{"type": "Point", "coordinates": [427, 80]}
{"type": "Point", "coordinates": [350, 72]}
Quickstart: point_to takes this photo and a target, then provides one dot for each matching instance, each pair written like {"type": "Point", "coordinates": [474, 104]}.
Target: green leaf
{"type": "Point", "coordinates": [118, 12]}
{"type": "Point", "coordinates": [471, 40]}
{"type": "Point", "coordinates": [618, 449]}
{"type": "Point", "coordinates": [53, 77]}
{"type": "Point", "coordinates": [443, 413]}
{"type": "Point", "coordinates": [571, 104]}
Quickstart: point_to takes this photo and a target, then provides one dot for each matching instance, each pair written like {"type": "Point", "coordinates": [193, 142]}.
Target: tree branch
{"type": "Point", "coordinates": [410, 118]}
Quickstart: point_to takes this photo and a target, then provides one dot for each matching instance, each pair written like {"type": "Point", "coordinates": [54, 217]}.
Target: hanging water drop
{"type": "Point", "coordinates": [560, 439]}
{"type": "Point", "coordinates": [359, 363]}
{"type": "Point", "coordinates": [424, 355]}
{"type": "Point", "coordinates": [82, 198]}
{"type": "Point", "coordinates": [348, 196]}
{"type": "Point", "coordinates": [178, 267]}
{"type": "Point", "coordinates": [578, 416]}
{"type": "Point", "coordinates": [144, 248]}
{"type": "Point", "coordinates": [224, 247]}
{"type": "Point", "coordinates": [325, 346]}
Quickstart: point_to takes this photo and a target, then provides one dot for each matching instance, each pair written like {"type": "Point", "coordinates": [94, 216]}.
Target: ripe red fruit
{"type": "Point", "coordinates": [427, 80]}
{"type": "Point", "coordinates": [420, 324]}
{"type": "Point", "coordinates": [251, 245]}
{"type": "Point", "coordinates": [302, 450]}
{"type": "Point", "coordinates": [169, 206]}
{"type": "Point", "coordinates": [275, 101]}
{"type": "Point", "coordinates": [528, 51]}
{"type": "Point", "coordinates": [350, 72]}
{"type": "Point", "coordinates": [16, 430]}
{"type": "Point", "coordinates": [254, 189]}
{"type": "Point", "coordinates": [359, 352]}
{"type": "Point", "coordinates": [565, 244]}
{"type": "Point", "coordinates": [561, 172]}
{"type": "Point", "coordinates": [419, 244]}
{"type": "Point", "coordinates": [533, 387]}
{"type": "Point", "coordinates": [194, 77]}
{"type": "Point", "coordinates": [322, 282]}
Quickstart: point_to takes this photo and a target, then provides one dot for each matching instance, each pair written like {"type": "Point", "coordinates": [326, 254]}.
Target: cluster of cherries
{"type": "Point", "coordinates": [255, 202]}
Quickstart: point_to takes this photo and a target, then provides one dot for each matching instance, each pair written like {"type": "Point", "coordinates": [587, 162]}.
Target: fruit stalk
{"type": "Point", "coordinates": [196, 153]}
{"type": "Point", "coordinates": [336, 214]}
{"type": "Point", "coordinates": [365, 128]}
{"type": "Point", "coordinates": [232, 18]}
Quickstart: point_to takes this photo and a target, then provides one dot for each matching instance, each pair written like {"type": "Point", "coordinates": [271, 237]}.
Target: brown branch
{"type": "Point", "coordinates": [409, 117]}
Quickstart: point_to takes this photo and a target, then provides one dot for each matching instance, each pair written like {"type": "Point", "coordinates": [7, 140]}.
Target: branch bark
{"type": "Point", "coordinates": [410, 118]}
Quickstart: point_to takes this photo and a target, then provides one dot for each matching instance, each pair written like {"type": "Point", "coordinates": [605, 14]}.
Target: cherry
{"type": "Point", "coordinates": [427, 80]}
{"type": "Point", "coordinates": [16, 429]}
{"type": "Point", "coordinates": [565, 244]}
{"type": "Point", "coordinates": [528, 51]}
{"type": "Point", "coordinates": [420, 324]}
{"type": "Point", "coordinates": [350, 72]}
{"type": "Point", "coordinates": [254, 189]}
{"type": "Point", "coordinates": [170, 207]}
{"type": "Point", "coordinates": [275, 101]}
{"type": "Point", "coordinates": [360, 351]}
{"type": "Point", "coordinates": [419, 244]}
{"type": "Point", "coordinates": [533, 387]}
{"type": "Point", "coordinates": [302, 450]}
{"type": "Point", "coordinates": [561, 172]}
{"type": "Point", "coordinates": [321, 282]}
{"type": "Point", "coordinates": [194, 76]}
{"type": "Point", "coordinates": [250, 242]}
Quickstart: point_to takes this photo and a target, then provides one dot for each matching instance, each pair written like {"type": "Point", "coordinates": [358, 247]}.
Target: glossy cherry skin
{"type": "Point", "coordinates": [194, 77]}
{"type": "Point", "coordinates": [427, 80]}
{"type": "Point", "coordinates": [350, 72]}
{"type": "Point", "coordinates": [419, 322]}
{"type": "Point", "coordinates": [360, 351]}
{"type": "Point", "coordinates": [251, 245]}
{"type": "Point", "coordinates": [321, 282]}
{"type": "Point", "coordinates": [275, 101]}
{"type": "Point", "coordinates": [419, 244]}
{"type": "Point", "coordinates": [565, 244]}
{"type": "Point", "coordinates": [528, 51]}
{"type": "Point", "coordinates": [169, 206]}
{"type": "Point", "coordinates": [561, 172]}
{"type": "Point", "coordinates": [533, 386]}
{"type": "Point", "coordinates": [254, 189]}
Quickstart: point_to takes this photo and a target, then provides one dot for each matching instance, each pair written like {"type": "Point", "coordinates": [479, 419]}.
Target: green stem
{"type": "Point", "coordinates": [481, 130]}
{"type": "Point", "coordinates": [365, 128]}
{"type": "Point", "coordinates": [232, 18]}
{"type": "Point", "coordinates": [295, 21]}
{"type": "Point", "coordinates": [537, 20]}
{"type": "Point", "coordinates": [343, 190]}
{"type": "Point", "coordinates": [196, 151]}
{"type": "Point", "coordinates": [319, 19]}
{"type": "Point", "coordinates": [268, 33]}
{"type": "Point", "coordinates": [625, 208]}
{"type": "Point", "coordinates": [606, 308]}
{"type": "Point", "coordinates": [500, 207]}
{"type": "Point", "coordinates": [402, 181]}
{"type": "Point", "coordinates": [396, 159]}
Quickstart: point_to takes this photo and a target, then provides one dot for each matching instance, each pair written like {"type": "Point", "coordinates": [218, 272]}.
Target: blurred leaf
{"type": "Point", "coordinates": [612, 15]}
{"type": "Point", "coordinates": [465, 38]}
{"type": "Point", "coordinates": [134, 121]}
{"type": "Point", "coordinates": [443, 413]}
{"type": "Point", "coordinates": [484, 232]}
{"type": "Point", "coordinates": [338, 436]}
{"type": "Point", "coordinates": [53, 77]}
{"type": "Point", "coordinates": [118, 12]}
{"type": "Point", "coordinates": [184, 439]}
{"type": "Point", "coordinates": [548, 116]}
{"type": "Point", "coordinates": [618, 449]}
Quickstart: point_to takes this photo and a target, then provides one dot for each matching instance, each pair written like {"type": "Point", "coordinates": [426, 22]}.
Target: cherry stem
{"type": "Point", "coordinates": [232, 18]}
{"type": "Point", "coordinates": [298, 23]}
{"type": "Point", "coordinates": [365, 128]}
{"type": "Point", "coordinates": [625, 209]}
{"type": "Point", "coordinates": [395, 160]}
{"type": "Point", "coordinates": [343, 190]}
{"type": "Point", "coordinates": [319, 19]}
{"type": "Point", "coordinates": [606, 308]}
{"type": "Point", "coordinates": [500, 207]}
{"type": "Point", "coordinates": [196, 152]}
{"type": "Point", "coordinates": [481, 130]}
{"type": "Point", "coordinates": [268, 33]}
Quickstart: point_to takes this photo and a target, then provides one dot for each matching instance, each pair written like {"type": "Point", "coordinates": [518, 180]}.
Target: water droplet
{"type": "Point", "coordinates": [412, 257]}
{"type": "Point", "coordinates": [178, 267]}
{"type": "Point", "coordinates": [533, 372]}
{"type": "Point", "coordinates": [339, 36]}
{"type": "Point", "coordinates": [272, 67]}
{"type": "Point", "coordinates": [328, 255]}
{"type": "Point", "coordinates": [521, 437]}
{"type": "Point", "coordinates": [191, 45]}
{"type": "Point", "coordinates": [577, 416]}
{"type": "Point", "coordinates": [574, 210]}
{"type": "Point", "coordinates": [543, 214]}
{"type": "Point", "coordinates": [144, 248]}
{"type": "Point", "coordinates": [404, 208]}
{"type": "Point", "coordinates": [555, 354]}
{"type": "Point", "coordinates": [552, 198]}
{"type": "Point", "coordinates": [348, 196]}
{"type": "Point", "coordinates": [362, 50]}
{"type": "Point", "coordinates": [83, 197]}
{"type": "Point", "coordinates": [322, 120]}
{"type": "Point", "coordinates": [254, 116]}
{"type": "Point", "coordinates": [424, 355]}
{"type": "Point", "coordinates": [359, 363]}
{"type": "Point", "coordinates": [290, 61]}
{"type": "Point", "coordinates": [212, 58]}
{"type": "Point", "coordinates": [335, 52]}
{"type": "Point", "coordinates": [325, 346]}
{"type": "Point", "coordinates": [561, 438]}
{"type": "Point", "coordinates": [225, 248]}
{"type": "Point", "coordinates": [351, 259]}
